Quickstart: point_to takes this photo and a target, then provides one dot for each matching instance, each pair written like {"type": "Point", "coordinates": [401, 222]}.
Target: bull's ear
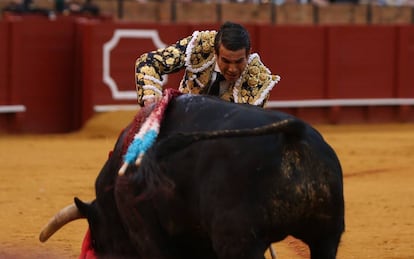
{"type": "Point", "coordinates": [84, 208]}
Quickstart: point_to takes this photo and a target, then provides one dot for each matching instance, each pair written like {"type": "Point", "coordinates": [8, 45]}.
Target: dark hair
{"type": "Point", "coordinates": [233, 36]}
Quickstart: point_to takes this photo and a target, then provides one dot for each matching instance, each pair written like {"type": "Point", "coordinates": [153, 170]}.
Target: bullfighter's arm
{"type": "Point", "coordinates": [150, 67]}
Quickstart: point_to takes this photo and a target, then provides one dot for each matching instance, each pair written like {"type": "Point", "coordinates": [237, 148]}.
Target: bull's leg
{"type": "Point", "coordinates": [231, 247]}
{"type": "Point", "coordinates": [324, 248]}
{"type": "Point", "coordinates": [236, 239]}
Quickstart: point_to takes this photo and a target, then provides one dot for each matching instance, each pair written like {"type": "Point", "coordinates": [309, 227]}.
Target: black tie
{"type": "Point", "coordinates": [215, 87]}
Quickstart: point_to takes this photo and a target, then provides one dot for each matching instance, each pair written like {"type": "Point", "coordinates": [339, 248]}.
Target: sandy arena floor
{"type": "Point", "coordinates": [41, 174]}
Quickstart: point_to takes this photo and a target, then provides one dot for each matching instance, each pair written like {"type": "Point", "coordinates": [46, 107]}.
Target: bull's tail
{"type": "Point", "coordinates": [291, 127]}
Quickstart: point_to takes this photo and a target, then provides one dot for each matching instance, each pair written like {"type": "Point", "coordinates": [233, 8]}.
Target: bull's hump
{"type": "Point", "coordinates": [206, 102]}
{"type": "Point", "coordinates": [195, 100]}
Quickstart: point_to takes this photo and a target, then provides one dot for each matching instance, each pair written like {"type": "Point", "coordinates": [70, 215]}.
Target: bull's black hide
{"type": "Point", "coordinates": [201, 194]}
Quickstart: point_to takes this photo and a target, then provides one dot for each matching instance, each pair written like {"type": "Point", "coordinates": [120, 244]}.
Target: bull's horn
{"type": "Point", "coordinates": [64, 216]}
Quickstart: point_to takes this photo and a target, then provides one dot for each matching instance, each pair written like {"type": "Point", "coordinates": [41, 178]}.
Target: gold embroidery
{"type": "Point", "coordinates": [252, 81]}
{"type": "Point", "coordinates": [184, 42]}
{"type": "Point", "coordinates": [263, 77]}
{"type": "Point", "coordinates": [148, 70]}
{"type": "Point", "coordinates": [203, 49]}
{"type": "Point", "coordinates": [226, 96]}
{"type": "Point", "coordinates": [254, 70]}
{"type": "Point", "coordinates": [257, 83]}
{"type": "Point", "coordinates": [205, 76]}
{"type": "Point", "coordinates": [148, 82]}
{"type": "Point", "coordinates": [170, 61]}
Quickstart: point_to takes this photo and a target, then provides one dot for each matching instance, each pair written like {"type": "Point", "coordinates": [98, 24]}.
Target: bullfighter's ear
{"type": "Point", "coordinates": [83, 207]}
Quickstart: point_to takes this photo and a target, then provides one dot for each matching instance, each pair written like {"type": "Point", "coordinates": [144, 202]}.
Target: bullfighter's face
{"type": "Point", "coordinates": [232, 63]}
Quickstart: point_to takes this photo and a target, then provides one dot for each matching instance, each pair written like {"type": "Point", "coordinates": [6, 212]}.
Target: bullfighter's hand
{"type": "Point", "coordinates": [151, 100]}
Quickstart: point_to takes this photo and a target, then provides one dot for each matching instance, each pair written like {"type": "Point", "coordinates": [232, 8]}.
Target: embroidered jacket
{"type": "Point", "coordinates": [196, 54]}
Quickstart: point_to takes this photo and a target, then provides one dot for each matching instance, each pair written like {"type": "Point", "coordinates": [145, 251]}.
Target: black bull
{"type": "Point", "coordinates": [223, 180]}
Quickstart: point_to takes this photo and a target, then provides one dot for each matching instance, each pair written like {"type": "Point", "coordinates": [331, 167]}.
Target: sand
{"type": "Point", "coordinates": [40, 174]}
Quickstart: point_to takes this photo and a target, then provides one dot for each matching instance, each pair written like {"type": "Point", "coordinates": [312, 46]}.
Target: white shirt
{"type": "Point", "coordinates": [224, 85]}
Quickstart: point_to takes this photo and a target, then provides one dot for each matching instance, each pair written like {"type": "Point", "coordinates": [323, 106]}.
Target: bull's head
{"type": "Point", "coordinates": [108, 235]}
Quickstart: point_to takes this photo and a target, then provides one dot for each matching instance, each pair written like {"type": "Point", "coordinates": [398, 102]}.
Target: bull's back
{"type": "Point", "coordinates": [189, 113]}
{"type": "Point", "coordinates": [292, 177]}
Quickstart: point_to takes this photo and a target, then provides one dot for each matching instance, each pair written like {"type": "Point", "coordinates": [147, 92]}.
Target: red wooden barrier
{"type": "Point", "coordinates": [405, 65]}
{"type": "Point", "coordinates": [405, 68]}
{"type": "Point", "coordinates": [297, 54]}
{"type": "Point", "coordinates": [361, 63]}
{"type": "Point", "coordinates": [6, 117]}
{"type": "Point", "coordinates": [41, 71]}
{"type": "Point", "coordinates": [9, 107]}
{"type": "Point", "coordinates": [4, 91]}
